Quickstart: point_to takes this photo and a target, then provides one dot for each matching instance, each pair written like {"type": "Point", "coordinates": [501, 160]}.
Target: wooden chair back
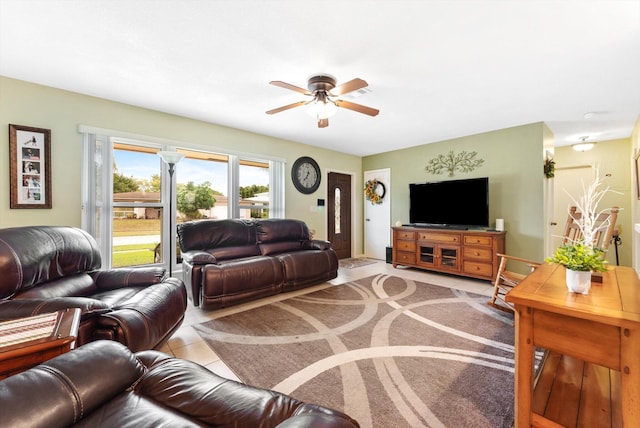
{"type": "Point", "coordinates": [506, 280]}
{"type": "Point", "coordinates": [606, 223]}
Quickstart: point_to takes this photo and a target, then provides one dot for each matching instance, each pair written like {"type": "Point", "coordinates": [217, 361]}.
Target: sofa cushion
{"type": "Point", "coordinates": [307, 267]}
{"type": "Point", "coordinates": [210, 234]}
{"type": "Point", "coordinates": [60, 251]}
{"type": "Point", "coordinates": [79, 285]}
{"type": "Point", "coordinates": [280, 247]}
{"type": "Point", "coordinates": [18, 308]}
{"type": "Point", "coordinates": [277, 230]}
{"type": "Point", "coordinates": [234, 252]}
{"type": "Point", "coordinates": [241, 279]}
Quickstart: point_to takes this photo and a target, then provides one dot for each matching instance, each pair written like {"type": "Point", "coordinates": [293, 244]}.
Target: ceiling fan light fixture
{"type": "Point", "coordinates": [325, 97]}
{"type": "Point", "coordinates": [322, 109]}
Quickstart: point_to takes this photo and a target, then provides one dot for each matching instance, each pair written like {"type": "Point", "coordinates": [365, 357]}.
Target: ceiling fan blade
{"type": "Point", "coordinates": [357, 107]}
{"type": "Point", "coordinates": [287, 107]}
{"type": "Point", "coordinates": [290, 86]}
{"type": "Point", "coordinates": [350, 86]}
{"type": "Point", "coordinates": [323, 123]}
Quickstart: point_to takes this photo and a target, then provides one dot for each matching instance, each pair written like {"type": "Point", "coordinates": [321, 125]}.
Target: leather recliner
{"type": "Point", "coordinates": [50, 268]}
{"type": "Point", "coordinates": [103, 384]}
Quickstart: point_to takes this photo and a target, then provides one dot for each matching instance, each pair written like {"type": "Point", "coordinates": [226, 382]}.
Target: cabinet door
{"type": "Point", "coordinates": [439, 257]}
{"type": "Point", "coordinates": [427, 255]}
{"type": "Point", "coordinates": [448, 258]}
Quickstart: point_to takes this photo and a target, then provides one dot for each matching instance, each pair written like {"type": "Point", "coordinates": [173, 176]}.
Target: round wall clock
{"type": "Point", "coordinates": [306, 175]}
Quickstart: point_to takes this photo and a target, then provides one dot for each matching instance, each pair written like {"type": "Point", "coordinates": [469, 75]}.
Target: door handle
{"type": "Point", "coordinates": [366, 219]}
{"type": "Point", "coordinates": [553, 223]}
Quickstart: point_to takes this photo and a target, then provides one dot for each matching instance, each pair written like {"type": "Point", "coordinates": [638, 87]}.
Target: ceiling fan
{"type": "Point", "coordinates": [325, 93]}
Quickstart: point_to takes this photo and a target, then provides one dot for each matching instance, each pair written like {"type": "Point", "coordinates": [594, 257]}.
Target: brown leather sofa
{"type": "Point", "coordinates": [49, 268]}
{"type": "Point", "coordinates": [231, 261]}
{"type": "Point", "coordinates": [104, 384]}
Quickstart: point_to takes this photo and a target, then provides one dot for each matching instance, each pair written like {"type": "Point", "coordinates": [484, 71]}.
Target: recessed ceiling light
{"type": "Point", "coordinates": [589, 115]}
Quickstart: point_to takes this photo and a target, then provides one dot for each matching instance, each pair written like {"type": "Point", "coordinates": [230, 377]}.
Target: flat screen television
{"type": "Point", "coordinates": [456, 204]}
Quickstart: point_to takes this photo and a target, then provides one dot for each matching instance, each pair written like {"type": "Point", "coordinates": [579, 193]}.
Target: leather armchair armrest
{"type": "Point", "coordinates": [128, 277]}
{"type": "Point", "coordinates": [19, 308]}
{"type": "Point", "coordinates": [316, 244]}
{"type": "Point", "coordinates": [147, 317]}
{"type": "Point", "coordinates": [198, 257]}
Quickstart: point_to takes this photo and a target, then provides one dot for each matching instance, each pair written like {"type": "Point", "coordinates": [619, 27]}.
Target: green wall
{"type": "Point", "coordinates": [513, 161]}
{"type": "Point", "coordinates": [27, 104]}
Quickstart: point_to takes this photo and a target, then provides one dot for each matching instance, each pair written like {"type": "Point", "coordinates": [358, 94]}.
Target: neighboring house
{"type": "Point", "coordinates": [261, 203]}
{"type": "Point", "coordinates": [218, 211]}
{"type": "Point", "coordinates": [137, 196]}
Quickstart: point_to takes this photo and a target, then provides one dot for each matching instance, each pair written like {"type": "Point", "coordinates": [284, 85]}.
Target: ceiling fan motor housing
{"type": "Point", "coordinates": [321, 83]}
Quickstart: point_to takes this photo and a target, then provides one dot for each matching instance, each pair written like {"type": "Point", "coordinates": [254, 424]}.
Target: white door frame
{"type": "Point", "coordinates": [386, 206]}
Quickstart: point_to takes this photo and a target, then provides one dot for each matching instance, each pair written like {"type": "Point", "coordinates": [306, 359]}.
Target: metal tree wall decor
{"type": "Point", "coordinates": [451, 162]}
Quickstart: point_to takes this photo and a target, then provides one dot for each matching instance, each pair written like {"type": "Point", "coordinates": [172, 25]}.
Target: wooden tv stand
{"type": "Point", "coordinates": [469, 253]}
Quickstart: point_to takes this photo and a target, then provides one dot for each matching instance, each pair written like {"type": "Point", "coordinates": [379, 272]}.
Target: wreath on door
{"type": "Point", "coordinates": [374, 191]}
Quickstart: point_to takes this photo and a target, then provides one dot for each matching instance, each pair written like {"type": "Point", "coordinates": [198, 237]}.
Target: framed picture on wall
{"type": "Point", "coordinates": [30, 167]}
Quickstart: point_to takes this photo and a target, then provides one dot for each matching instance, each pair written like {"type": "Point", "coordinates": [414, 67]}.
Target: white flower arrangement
{"type": "Point", "coordinates": [587, 205]}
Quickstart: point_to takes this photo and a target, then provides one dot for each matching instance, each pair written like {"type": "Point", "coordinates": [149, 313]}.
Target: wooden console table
{"type": "Point", "coordinates": [602, 328]}
{"type": "Point", "coordinates": [27, 342]}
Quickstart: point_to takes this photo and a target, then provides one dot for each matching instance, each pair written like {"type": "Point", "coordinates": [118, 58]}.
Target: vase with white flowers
{"type": "Point", "coordinates": [582, 258]}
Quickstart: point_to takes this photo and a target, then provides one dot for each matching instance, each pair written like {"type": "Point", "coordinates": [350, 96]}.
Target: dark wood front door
{"type": "Point", "coordinates": [339, 213]}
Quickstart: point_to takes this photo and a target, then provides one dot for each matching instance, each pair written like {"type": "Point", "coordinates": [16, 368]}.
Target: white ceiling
{"type": "Point", "coordinates": [436, 69]}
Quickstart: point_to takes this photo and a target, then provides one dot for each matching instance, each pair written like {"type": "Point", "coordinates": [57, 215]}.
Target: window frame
{"type": "Point", "coordinates": [97, 184]}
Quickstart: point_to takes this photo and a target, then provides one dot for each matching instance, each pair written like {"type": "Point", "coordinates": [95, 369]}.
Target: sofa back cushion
{"type": "Point", "coordinates": [238, 252]}
{"type": "Point", "coordinates": [224, 239]}
{"type": "Point", "coordinates": [276, 230]}
{"type": "Point", "coordinates": [280, 247]}
{"type": "Point", "coordinates": [280, 235]}
{"type": "Point", "coordinates": [34, 255]}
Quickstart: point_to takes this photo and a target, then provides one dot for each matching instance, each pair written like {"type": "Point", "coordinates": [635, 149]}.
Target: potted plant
{"type": "Point", "coordinates": [582, 258]}
{"type": "Point", "coordinates": [580, 261]}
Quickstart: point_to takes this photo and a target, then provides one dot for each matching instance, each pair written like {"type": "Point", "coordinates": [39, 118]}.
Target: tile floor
{"type": "Point", "coordinates": [187, 344]}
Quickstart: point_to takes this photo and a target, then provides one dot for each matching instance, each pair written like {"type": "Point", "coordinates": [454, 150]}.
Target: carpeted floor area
{"type": "Point", "coordinates": [388, 351]}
